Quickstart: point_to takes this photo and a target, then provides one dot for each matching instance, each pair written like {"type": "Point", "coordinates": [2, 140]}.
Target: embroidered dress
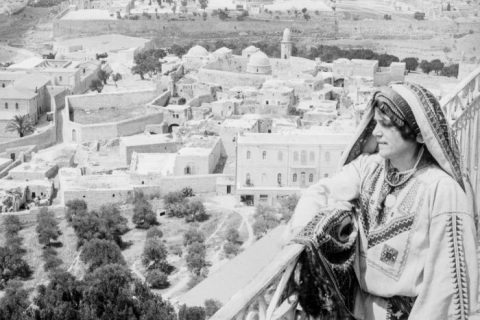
{"type": "Point", "coordinates": [416, 247]}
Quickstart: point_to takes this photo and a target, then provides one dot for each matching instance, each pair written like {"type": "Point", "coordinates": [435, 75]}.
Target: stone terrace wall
{"type": "Point", "coordinates": [230, 79]}
{"type": "Point", "coordinates": [95, 198]}
{"type": "Point", "coordinates": [29, 217]}
{"type": "Point", "coordinates": [42, 140]}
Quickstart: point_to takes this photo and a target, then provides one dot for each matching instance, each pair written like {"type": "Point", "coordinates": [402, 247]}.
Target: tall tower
{"type": "Point", "coordinates": [286, 46]}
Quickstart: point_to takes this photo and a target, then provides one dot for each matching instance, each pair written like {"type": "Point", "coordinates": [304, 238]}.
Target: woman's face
{"type": "Point", "coordinates": [391, 144]}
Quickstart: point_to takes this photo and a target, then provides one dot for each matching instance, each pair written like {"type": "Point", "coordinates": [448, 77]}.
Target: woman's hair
{"type": "Point", "coordinates": [406, 132]}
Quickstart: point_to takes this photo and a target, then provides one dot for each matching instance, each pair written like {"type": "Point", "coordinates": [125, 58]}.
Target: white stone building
{"type": "Point", "coordinates": [258, 63]}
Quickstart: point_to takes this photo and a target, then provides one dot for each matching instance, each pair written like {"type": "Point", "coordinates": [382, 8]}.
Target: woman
{"type": "Point", "coordinates": [416, 249]}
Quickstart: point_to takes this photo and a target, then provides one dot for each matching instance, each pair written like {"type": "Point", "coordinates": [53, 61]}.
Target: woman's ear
{"type": "Point", "coordinates": [420, 138]}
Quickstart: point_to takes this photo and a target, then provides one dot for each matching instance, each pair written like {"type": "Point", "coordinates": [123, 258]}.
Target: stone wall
{"type": "Point", "coordinates": [29, 217]}
{"type": "Point", "coordinates": [42, 140]}
{"type": "Point", "coordinates": [124, 99]}
{"type": "Point", "coordinates": [230, 79]}
{"type": "Point", "coordinates": [95, 198]}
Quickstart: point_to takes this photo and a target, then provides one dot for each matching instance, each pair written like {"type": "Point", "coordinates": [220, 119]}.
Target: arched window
{"type": "Point", "coordinates": [310, 177]}
{"type": "Point", "coordinates": [295, 156]}
{"type": "Point", "coordinates": [247, 179]}
{"type": "Point", "coordinates": [264, 178]}
{"type": "Point", "coordinates": [249, 154]}
{"type": "Point", "coordinates": [312, 156]}
{"type": "Point", "coordinates": [280, 156]}
{"type": "Point", "coordinates": [264, 155]}
{"type": "Point", "coordinates": [327, 156]}
{"type": "Point", "coordinates": [16, 105]}
{"type": "Point", "coordinates": [6, 105]}
{"type": "Point", "coordinates": [303, 157]}
{"type": "Point", "coordinates": [294, 177]}
{"type": "Point", "coordinates": [187, 170]}
{"type": "Point", "coordinates": [279, 179]}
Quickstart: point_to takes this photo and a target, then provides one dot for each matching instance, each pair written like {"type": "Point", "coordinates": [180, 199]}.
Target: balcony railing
{"type": "Point", "coordinates": [267, 297]}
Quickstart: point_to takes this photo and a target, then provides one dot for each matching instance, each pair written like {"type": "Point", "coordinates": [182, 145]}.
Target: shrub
{"type": "Point", "coordinates": [47, 227]}
{"type": "Point", "coordinates": [196, 254]}
{"type": "Point", "coordinates": [191, 313]}
{"type": "Point", "coordinates": [211, 306]}
{"type": "Point", "coordinates": [154, 232]}
{"type": "Point", "coordinates": [143, 215]}
{"type": "Point", "coordinates": [231, 249]}
{"type": "Point", "coordinates": [12, 225]}
{"type": "Point", "coordinates": [154, 252]}
{"type": "Point", "coordinates": [157, 279]}
{"type": "Point", "coordinates": [50, 258]}
{"type": "Point", "coordinates": [173, 197]}
{"type": "Point", "coordinates": [265, 219]}
{"type": "Point", "coordinates": [74, 207]}
{"type": "Point", "coordinates": [193, 235]}
{"type": "Point", "coordinates": [99, 252]}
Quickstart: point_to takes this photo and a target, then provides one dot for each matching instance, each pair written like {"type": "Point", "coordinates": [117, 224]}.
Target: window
{"type": "Point", "coordinates": [264, 178]}
{"type": "Point", "coordinates": [303, 157]}
{"type": "Point", "coordinates": [310, 177]}
{"type": "Point", "coordinates": [279, 179]}
{"type": "Point", "coordinates": [247, 179]}
{"type": "Point", "coordinates": [16, 105]}
{"type": "Point", "coordinates": [60, 78]}
{"type": "Point", "coordinates": [327, 156]}
{"type": "Point", "coordinates": [295, 156]}
{"type": "Point", "coordinates": [302, 178]}
{"type": "Point", "coordinates": [280, 156]}
{"type": "Point", "coordinates": [6, 105]}
{"type": "Point", "coordinates": [312, 156]}
{"type": "Point", "coordinates": [325, 175]}
{"type": "Point", "coordinates": [294, 177]}
{"type": "Point", "coordinates": [3, 85]}
{"type": "Point", "coordinates": [187, 170]}
{"type": "Point", "coordinates": [248, 154]}
{"type": "Point", "coordinates": [264, 155]}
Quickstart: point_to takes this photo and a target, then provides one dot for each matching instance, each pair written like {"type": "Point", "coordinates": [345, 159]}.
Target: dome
{"type": "Point", "coordinates": [286, 35]}
{"type": "Point", "coordinates": [197, 51]}
{"type": "Point", "coordinates": [223, 51]}
{"type": "Point", "coordinates": [259, 59]}
{"type": "Point", "coordinates": [251, 49]}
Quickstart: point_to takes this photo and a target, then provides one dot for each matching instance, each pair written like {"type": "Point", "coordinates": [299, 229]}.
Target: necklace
{"type": "Point", "coordinates": [396, 178]}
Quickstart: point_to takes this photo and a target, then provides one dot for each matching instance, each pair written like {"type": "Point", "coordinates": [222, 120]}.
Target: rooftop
{"type": "Point", "coordinates": [32, 81]}
{"type": "Point", "coordinates": [29, 63]}
{"type": "Point", "coordinates": [11, 75]}
{"type": "Point", "coordinates": [88, 14]}
{"type": "Point", "coordinates": [177, 107]}
{"type": "Point", "coordinates": [155, 163]}
{"type": "Point", "coordinates": [194, 151]}
{"type": "Point", "coordinates": [239, 123]}
{"type": "Point", "coordinates": [144, 139]}
{"type": "Point", "coordinates": [297, 137]}
{"type": "Point", "coordinates": [17, 93]}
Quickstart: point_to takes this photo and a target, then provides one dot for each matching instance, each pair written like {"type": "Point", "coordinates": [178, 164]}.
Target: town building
{"type": "Point", "coordinates": [276, 164]}
{"type": "Point", "coordinates": [143, 143]}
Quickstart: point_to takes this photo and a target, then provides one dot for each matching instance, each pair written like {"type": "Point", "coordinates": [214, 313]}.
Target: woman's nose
{"type": "Point", "coordinates": [377, 131]}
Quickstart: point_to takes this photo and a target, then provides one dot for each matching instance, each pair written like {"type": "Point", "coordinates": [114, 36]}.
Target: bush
{"type": "Point", "coordinates": [191, 313]}
{"type": "Point", "coordinates": [143, 215]}
{"type": "Point", "coordinates": [288, 205]}
{"type": "Point", "coordinates": [47, 227]}
{"type": "Point", "coordinates": [231, 249]}
{"type": "Point", "coordinates": [99, 252]}
{"type": "Point", "coordinates": [173, 197]}
{"type": "Point", "coordinates": [176, 249]}
{"type": "Point", "coordinates": [196, 254]}
{"type": "Point", "coordinates": [51, 260]}
{"type": "Point", "coordinates": [74, 207]}
{"type": "Point", "coordinates": [12, 266]}
{"type": "Point", "coordinates": [211, 306]}
{"type": "Point", "coordinates": [193, 235]}
{"type": "Point", "coordinates": [187, 192]}
{"type": "Point", "coordinates": [157, 279]}
{"type": "Point", "coordinates": [12, 225]}
{"type": "Point", "coordinates": [265, 219]}
{"type": "Point", "coordinates": [154, 232]}
{"type": "Point", "coordinates": [154, 252]}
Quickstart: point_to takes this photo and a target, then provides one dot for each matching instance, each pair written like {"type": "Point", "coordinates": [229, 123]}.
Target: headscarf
{"type": "Point", "coordinates": [415, 106]}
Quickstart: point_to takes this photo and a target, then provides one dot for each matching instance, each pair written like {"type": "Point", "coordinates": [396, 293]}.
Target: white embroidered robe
{"type": "Point", "coordinates": [424, 248]}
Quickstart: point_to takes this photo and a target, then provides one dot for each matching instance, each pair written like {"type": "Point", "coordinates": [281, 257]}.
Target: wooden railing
{"type": "Point", "coordinates": [267, 296]}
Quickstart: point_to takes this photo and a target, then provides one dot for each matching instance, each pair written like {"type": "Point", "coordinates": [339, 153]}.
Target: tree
{"type": "Point", "coordinates": [47, 227]}
{"type": "Point", "coordinates": [195, 211]}
{"type": "Point", "coordinates": [21, 124]}
{"type": "Point", "coordinates": [425, 66]}
{"type": "Point", "coordinates": [233, 235]}
{"type": "Point", "coordinates": [193, 235]}
{"type": "Point", "coordinates": [60, 299]}
{"type": "Point", "coordinates": [203, 4]}
{"type": "Point", "coordinates": [211, 306]}
{"type": "Point", "coordinates": [178, 50]}
{"type": "Point", "coordinates": [12, 225]}
{"type": "Point", "coordinates": [50, 258]}
{"type": "Point", "coordinates": [154, 252]}
{"type": "Point", "coordinates": [12, 266]}
{"type": "Point", "coordinates": [288, 205]}
{"type": "Point", "coordinates": [437, 65]}
{"type": "Point", "coordinates": [307, 17]}
{"type": "Point", "coordinates": [114, 225]}
{"type": "Point", "coordinates": [143, 215]}
{"type": "Point", "coordinates": [154, 232]}
{"type": "Point", "coordinates": [14, 303]}
{"type": "Point", "coordinates": [73, 207]}
{"type": "Point", "coordinates": [148, 62]}
{"type": "Point", "coordinates": [96, 85]}
{"type": "Point", "coordinates": [196, 254]}
{"type": "Point", "coordinates": [157, 279]}
{"type": "Point", "coordinates": [99, 252]}
{"type": "Point", "coordinates": [450, 71]}
{"type": "Point", "coordinates": [116, 77]}
{"type": "Point", "coordinates": [265, 219]}
{"type": "Point", "coordinates": [223, 14]}
{"type": "Point", "coordinates": [411, 63]}
{"type": "Point", "coordinates": [191, 313]}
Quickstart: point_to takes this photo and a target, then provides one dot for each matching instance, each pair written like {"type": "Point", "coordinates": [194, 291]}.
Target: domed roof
{"type": "Point", "coordinates": [286, 35]}
{"type": "Point", "coordinates": [223, 50]}
{"type": "Point", "coordinates": [259, 59]}
{"type": "Point", "coordinates": [251, 49]}
{"type": "Point", "coordinates": [197, 51]}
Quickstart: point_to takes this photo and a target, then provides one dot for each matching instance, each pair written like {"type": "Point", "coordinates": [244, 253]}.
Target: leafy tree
{"type": "Point", "coordinates": [265, 219]}
{"type": "Point", "coordinates": [437, 65]}
{"type": "Point", "coordinates": [12, 225]}
{"type": "Point", "coordinates": [116, 77]}
{"type": "Point", "coordinates": [143, 215]}
{"type": "Point", "coordinates": [148, 62]}
{"type": "Point", "coordinates": [47, 227]}
{"type": "Point", "coordinates": [193, 235]}
{"type": "Point", "coordinates": [450, 71]}
{"type": "Point", "coordinates": [157, 279]}
{"type": "Point", "coordinates": [288, 205]}
{"type": "Point", "coordinates": [99, 252]}
{"type": "Point", "coordinates": [196, 258]}
{"type": "Point", "coordinates": [411, 63]}
{"type": "Point", "coordinates": [195, 211]}
{"type": "Point", "coordinates": [187, 192]}
{"type": "Point", "coordinates": [178, 50]}
{"type": "Point", "coordinates": [154, 232]}
{"type": "Point", "coordinates": [14, 303]}
{"type": "Point", "coordinates": [203, 4]}
{"type": "Point", "coordinates": [96, 85]}
{"type": "Point", "coordinates": [384, 60]}
{"type": "Point", "coordinates": [223, 14]}
{"type": "Point", "coordinates": [12, 266]}
{"type": "Point", "coordinates": [307, 17]}
{"type": "Point", "coordinates": [60, 299]}
{"type": "Point", "coordinates": [233, 235]}
{"type": "Point", "coordinates": [231, 249]}
{"type": "Point", "coordinates": [191, 313]}
{"type": "Point", "coordinates": [304, 10]}
{"type": "Point", "coordinates": [151, 306]}
{"type": "Point", "coordinates": [173, 197]}
{"type": "Point", "coordinates": [154, 252]}
{"type": "Point", "coordinates": [52, 262]}
{"type": "Point", "coordinates": [73, 207]}
{"type": "Point", "coordinates": [426, 66]}
{"type": "Point", "coordinates": [21, 124]}
{"type": "Point", "coordinates": [211, 306]}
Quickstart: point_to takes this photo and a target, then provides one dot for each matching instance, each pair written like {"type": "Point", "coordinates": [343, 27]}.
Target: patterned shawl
{"type": "Point", "coordinates": [428, 116]}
